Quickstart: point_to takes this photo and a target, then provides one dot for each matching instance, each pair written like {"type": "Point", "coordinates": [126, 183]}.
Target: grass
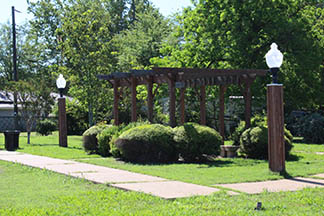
{"type": "Point", "coordinates": [304, 162]}
{"type": "Point", "coordinates": [30, 191]}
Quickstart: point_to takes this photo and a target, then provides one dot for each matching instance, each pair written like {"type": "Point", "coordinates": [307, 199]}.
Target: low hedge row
{"type": "Point", "coordinates": [143, 142]}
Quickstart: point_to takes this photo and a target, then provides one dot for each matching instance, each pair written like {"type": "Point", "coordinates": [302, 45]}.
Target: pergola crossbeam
{"type": "Point", "coordinates": [183, 78]}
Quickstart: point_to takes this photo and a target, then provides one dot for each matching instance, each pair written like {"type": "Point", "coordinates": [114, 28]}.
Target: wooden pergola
{"type": "Point", "coordinates": [183, 78]}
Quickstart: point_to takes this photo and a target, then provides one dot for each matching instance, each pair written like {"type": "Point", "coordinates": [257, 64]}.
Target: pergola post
{"type": "Point", "coordinates": [222, 90]}
{"type": "Point", "coordinates": [203, 105]}
{"type": "Point", "coordinates": [182, 106]}
{"type": "Point", "coordinates": [116, 102]}
{"type": "Point", "coordinates": [248, 103]}
{"type": "Point", "coordinates": [150, 98]}
{"type": "Point", "coordinates": [172, 103]}
{"type": "Point", "coordinates": [133, 90]}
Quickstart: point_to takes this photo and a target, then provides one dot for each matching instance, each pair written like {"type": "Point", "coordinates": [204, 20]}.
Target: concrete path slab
{"type": "Point", "coordinates": [275, 186]}
{"type": "Point", "coordinates": [169, 189]}
{"type": "Point", "coordinates": [33, 160]}
{"type": "Point", "coordinates": [319, 175]}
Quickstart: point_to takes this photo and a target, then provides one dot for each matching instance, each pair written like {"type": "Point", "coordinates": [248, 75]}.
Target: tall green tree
{"type": "Point", "coordinates": [237, 34]}
{"type": "Point", "coordinates": [86, 45]}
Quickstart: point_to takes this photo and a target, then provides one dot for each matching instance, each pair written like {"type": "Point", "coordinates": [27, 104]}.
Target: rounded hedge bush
{"type": "Point", "coordinates": [193, 141]}
{"type": "Point", "coordinates": [90, 142]}
{"type": "Point", "coordinates": [312, 128]}
{"type": "Point", "coordinates": [254, 142]}
{"type": "Point", "coordinates": [45, 127]}
{"type": "Point", "coordinates": [121, 129]}
{"type": "Point", "coordinates": [147, 143]}
{"type": "Point", "coordinates": [104, 139]}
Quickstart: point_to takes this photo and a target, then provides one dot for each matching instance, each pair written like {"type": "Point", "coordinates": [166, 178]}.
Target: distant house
{"type": "Point", "coordinates": [7, 111]}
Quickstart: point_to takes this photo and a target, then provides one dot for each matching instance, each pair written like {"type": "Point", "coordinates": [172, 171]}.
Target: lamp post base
{"type": "Point", "coordinates": [276, 141]}
{"type": "Point", "coordinates": [62, 123]}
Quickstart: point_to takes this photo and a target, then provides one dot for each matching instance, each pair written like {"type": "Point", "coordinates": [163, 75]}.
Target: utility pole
{"type": "Point", "coordinates": [14, 63]}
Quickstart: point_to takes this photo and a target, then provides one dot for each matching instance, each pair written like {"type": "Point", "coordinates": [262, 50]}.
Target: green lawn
{"type": "Point", "coordinates": [304, 162]}
{"type": "Point", "coordinates": [31, 191]}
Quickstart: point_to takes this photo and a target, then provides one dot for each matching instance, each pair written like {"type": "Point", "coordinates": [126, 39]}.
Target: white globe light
{"type": "Point", "coordinates": [274, 57]}
{"type": "Point", "coordinates": [60, 82]}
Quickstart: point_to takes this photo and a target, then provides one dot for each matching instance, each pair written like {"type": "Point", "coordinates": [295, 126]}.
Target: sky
{"type": "Point", "coordinates": [167, 7]}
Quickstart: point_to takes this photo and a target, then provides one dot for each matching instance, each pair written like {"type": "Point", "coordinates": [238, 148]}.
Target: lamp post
{"type": "Point", "coordinates": [275, 113]}
{"type": "Point", "coordinates": [61, 83]}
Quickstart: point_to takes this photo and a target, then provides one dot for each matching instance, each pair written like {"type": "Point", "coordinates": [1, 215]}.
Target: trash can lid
{"type": "Point", "coordinates": [12, 131]}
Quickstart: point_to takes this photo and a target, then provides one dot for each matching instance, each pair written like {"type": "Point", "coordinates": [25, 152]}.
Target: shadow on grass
{"type": "Point", "coordinates": [286, 175]}
{"type": "Point", "coordinates": [51, 145]}
{"type": "Point", "coordinates": [292, 157]}
{"type": "Point", "coordinates": [203, 163]}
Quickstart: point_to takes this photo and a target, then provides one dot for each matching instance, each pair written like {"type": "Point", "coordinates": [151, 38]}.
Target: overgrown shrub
{"type": "Point", "coordinates": [147, 143]}
{"type": "Point", "coordinates": [294, 120]}
{"type": "Point", "coordinates": [45, 127]}
{"type": "Point", "coordinates": [257, 120]}
{"type": "Point", "coordinates": [254, 142]}
{"type": "Point", "coordinates": [311, 127]}
{"type": "Point", "coordinates": [90, 142]}
{"type": "Point", "coordinates": [193, 141]}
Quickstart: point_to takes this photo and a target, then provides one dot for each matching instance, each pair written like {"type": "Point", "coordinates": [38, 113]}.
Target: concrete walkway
{"type": "Point", "coordinates": [156, 186]}
{"type": "Point", "coordinates": [116, 178]}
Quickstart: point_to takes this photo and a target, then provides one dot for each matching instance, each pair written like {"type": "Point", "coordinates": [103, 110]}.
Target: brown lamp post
{"type": "Point", "coordinates": [275, 113]}
{"type": "Point", "coordinates": [61, 83]}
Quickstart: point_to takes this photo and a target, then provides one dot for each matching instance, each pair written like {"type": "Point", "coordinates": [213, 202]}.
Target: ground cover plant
{"type": "Point", "coordinates": [56, 194]}
{"type": "Point", "coordinates": [304, 161]}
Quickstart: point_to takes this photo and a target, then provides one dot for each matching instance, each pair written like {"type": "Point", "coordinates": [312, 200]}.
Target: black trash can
{"type": "Point", "coordinates": [11, 140]}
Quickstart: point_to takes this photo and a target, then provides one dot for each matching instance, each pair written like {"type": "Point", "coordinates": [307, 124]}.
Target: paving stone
{"type": "Point", "coordinates": [319, 175]}
{"type": "Point", "coordinates": [275, 186]}
{"type": "Point", "coordinates": [9, 153]}
{"type": "Point", "coordinates": [115, 176]}
{"type": "Point", "coordinates": [33, 160]}
{"type": "Point", "coordinates": [168, 189]}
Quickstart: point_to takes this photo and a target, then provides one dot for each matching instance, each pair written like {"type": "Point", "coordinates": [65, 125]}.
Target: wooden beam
{"type": "Point", "coordinates": [222, 90]}
{"type": "Point", "coordinates": [116, 102]}
{"type": "Point", "coordinates": [150, 99]}
{"type": "Point", "coordinates": [182, 106]}
{"type": "Point", "coordinates": [133, 92]}
{"type": "Point", "coordinates": [203, 105]}
{"type": "Point", "coordinates": [172, 103]}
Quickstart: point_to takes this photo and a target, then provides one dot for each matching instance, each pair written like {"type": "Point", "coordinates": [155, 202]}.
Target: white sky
{"type": "Point", "coordinates": [167, 7]}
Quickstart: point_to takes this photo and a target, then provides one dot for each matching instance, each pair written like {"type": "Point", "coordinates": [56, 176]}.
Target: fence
{"type": "Point", "coordinates": [8, 123]}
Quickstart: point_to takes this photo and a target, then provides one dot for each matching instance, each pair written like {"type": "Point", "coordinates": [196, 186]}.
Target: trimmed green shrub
{"type": "Point", "coordinates": [147, 143]}
{"type": "Point", "coordinates": [90, 142]}
{"type": "Point", "coordinates": [121, 129]}
{"type": "Point", "coordinates": [254, 142]}
{"type": "Point", "coordinates": [193, 141]}
{"type": "Point", "coordinates": [312, 128]}
{"type": "Point", "coordinates": [45, 127]}
{"type": "Point", "coordinates": [104, 139]}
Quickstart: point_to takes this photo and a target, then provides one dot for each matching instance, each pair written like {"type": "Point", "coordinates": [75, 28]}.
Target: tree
{"type": "Point", "coordinates": [237, 34]}
{"type": "Point", "coordinates": [142, 41]}
{"type": "Point", "coordinates": [87, 48]}
{"type": "Point", "coordinates": [34, 100]}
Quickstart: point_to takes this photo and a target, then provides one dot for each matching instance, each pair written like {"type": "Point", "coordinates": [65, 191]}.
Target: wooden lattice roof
{"type": "Point", "coordinates": [184, 77]}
